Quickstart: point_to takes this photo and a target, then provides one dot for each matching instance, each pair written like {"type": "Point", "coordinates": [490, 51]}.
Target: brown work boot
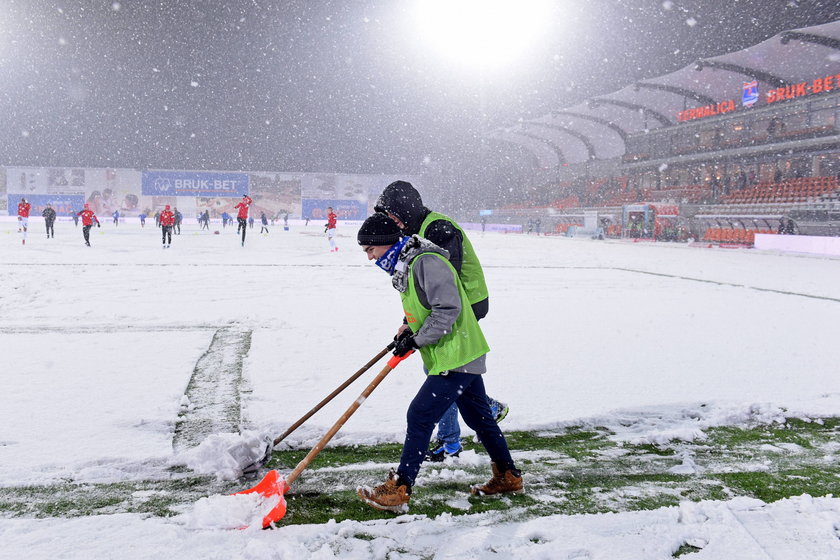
{"type": "Point", "coordinates": [390, 496]}
{"type": "Point", "coordinates": [500, 483]}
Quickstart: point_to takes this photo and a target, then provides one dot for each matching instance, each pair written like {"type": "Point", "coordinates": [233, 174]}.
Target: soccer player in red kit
{"type": "Point", "coordinates": [23, 218]}
{"type": "Point", "coordinates": [88, 217]}
{"type": "Point", "coordinates": [167, 220]}
{"type": "Point", "coordinates": [242, 217]}
{"type": "Point", "coordinates": [330, 229]}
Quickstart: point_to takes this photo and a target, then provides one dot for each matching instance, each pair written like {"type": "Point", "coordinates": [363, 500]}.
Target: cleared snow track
{"type": "Point", "coordinates": [211, 402]}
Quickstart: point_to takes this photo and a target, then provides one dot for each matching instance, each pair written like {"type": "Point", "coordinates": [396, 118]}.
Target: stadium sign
{"type": "Point", "coordinates": [749, 97]}
{"type": "Point", "coordinates": [63, 204]}
{"type": "Point", "coordinates": [706, 111]}
{"type": "Point", "coordinates": [819, 85]}
{"type": "Point", "coordinates": [316, 208]}
{"type": "Point", "coordinates": [750, 94]}
{"type": "Point", "coordinates": [194, 183]}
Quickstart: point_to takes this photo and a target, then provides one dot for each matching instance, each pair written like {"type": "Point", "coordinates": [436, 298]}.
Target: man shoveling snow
{"type": "Point", "coordinates": [442, 325]}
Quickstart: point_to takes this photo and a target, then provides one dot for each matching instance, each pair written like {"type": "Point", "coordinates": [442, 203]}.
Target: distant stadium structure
{"type": "Point", "coordinates": [738, 142]}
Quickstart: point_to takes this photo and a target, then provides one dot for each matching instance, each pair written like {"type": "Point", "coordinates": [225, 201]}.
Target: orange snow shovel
{"type": "Point", "coordinates": [274, 485]}
{"type": "Point", "coordinates": [255, 466]}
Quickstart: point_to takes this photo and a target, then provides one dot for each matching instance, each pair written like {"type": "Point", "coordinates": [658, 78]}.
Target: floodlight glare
{"type": "Point", "coordinates": [484, 33]}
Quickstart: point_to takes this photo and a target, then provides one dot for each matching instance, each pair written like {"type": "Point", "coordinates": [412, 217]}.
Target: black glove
{"type": "Point", "coordinates": [405, 344]}
{"type": "Point", "coordinates": [98, 224]}
{"type": "Point", "coordinates": [404, 333]}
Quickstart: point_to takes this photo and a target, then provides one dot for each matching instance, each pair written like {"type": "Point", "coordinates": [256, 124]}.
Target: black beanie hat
{"type": "Point", "coordinates": [378, 229]}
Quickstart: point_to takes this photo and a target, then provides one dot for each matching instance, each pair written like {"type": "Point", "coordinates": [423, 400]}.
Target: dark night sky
{"type": "Point", "coordinates": [312, 85]}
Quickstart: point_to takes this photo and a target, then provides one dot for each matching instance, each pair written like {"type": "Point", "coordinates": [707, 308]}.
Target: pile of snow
{"type": "Point", "coordinates": [224, 455]}
{"type": "Point", "coordinates": [239, 511]}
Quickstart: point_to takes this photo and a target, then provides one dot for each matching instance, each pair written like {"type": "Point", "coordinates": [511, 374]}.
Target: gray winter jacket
{"type": "Point", "coordinates": [437, 290]}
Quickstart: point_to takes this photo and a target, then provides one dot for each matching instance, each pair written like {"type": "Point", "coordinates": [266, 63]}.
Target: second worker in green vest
{"type": "Point", "coordinates": [403, 204]}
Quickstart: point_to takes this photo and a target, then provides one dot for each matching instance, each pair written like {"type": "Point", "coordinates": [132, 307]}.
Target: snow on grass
{"type": "Point", "coordinates": [90, 406]}
{"type": "Point", "coordinates": [649, 343]}
{"type": "Point", "coordinates": [801, 527]}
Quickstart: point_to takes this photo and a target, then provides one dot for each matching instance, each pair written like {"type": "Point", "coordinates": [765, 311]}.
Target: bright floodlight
{"type": "Point", "coordinates": [483, 33]}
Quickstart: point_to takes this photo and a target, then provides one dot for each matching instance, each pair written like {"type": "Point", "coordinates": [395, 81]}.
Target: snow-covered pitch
{"type": "Point", "coordinates": [99, 344]}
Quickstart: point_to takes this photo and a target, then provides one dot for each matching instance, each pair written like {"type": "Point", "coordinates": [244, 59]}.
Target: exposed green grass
{"type": "Point", "coordinates": [568, 471]}
{"type": "Point", "coordinates": [336, 456]}
{"type": "Point", "coordinates": [772, 486]}
{"type": "Point", "coordinates": [573, 442]}
{"type": "Point", "coordinates": [685, 549]}
{"type": "Point", "coordinates": [157, 498]}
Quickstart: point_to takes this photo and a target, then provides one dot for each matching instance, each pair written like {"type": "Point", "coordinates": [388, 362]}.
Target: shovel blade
{"type": "Point", "coordinates": [253, 465]}
{"type": "Point", "coordinates": [271, 485]}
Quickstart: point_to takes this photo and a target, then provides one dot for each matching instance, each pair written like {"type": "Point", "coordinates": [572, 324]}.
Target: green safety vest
{"type": "Point", "coordinates": [472, 276]}
{"type": "Point", "coordinates": [463, 344]}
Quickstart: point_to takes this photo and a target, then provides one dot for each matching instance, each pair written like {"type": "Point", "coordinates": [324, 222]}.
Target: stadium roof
{"type": "Point", "coordinates": [598, 127]}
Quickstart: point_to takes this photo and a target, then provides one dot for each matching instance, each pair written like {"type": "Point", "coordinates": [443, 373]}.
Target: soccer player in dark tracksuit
{"type": "Point", "coordinates": [264, 222]}
{"type": "Point", "coordinates": [49, 220]}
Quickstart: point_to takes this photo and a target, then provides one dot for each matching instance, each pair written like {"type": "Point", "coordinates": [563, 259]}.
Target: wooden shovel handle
{"type": "Point", "coordinates": [332, 395]}
{"type": "Point", "coordinates": [392, 363]}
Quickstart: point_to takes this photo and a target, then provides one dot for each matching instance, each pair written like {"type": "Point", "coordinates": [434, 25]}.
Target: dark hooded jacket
{"type": "Point", "coordinates": [49, 215]}
{"type": "Point", "coordinates": [401, 199]}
